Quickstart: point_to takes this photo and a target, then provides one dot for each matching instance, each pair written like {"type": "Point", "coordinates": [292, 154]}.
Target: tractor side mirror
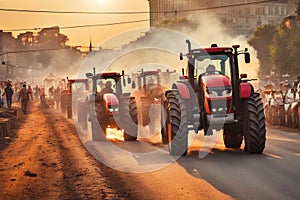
{"type": "Point", "coordinates": [129, 80]}
{"type": "Point", "coordinates": [88, 74]}
{"type": "Point", "coordinates": [247, 57]}
{"type": "Point", "coordinates": [133, 85]}
{"type": "Point", "coordinates": [181, 56]}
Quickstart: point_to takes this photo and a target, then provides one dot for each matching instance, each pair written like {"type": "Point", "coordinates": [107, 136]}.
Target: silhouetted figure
{"type": "Point", "coordinates": [107, 88]}
{"type": "Point", "coordinates": [24, 96]}
{"type": "Point", "coordinates": [8, 92]}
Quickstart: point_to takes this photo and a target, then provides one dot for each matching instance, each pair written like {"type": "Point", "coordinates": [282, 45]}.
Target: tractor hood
{"type": "Point", "coordinates": [110, 99]}
{"type": "Point", "coordinates": [215, 80]}
{"type": "Point", "coordinates": [111, 102]}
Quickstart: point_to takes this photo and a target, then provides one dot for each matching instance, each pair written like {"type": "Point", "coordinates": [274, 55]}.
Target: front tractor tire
{"type": "Point", "coordinates": [175, 123]}
{"type": "Point", "coordinates": [254, 129]}
{"type": "Point", "coordinates": [232, 136]}
{"type": "Point", "coordinates": [129, 119]}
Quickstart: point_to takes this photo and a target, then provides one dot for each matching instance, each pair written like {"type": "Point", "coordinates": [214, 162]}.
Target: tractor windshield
{"type": "Point", "coordinates": [106, 85]}
{"type": "Point", "coordinates": [151, 79]}
{"type": "Point", "coordinates": [218, 64]}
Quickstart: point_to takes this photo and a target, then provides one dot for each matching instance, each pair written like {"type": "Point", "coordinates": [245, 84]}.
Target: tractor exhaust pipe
{"type": "Point", "coordinates": [189, 46]}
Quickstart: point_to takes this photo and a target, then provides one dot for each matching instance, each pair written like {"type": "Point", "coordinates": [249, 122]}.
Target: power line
{"type": "Point", "coordinates": [81, 26]}
{"type": "Point", "coordinates": [34, 50]}
{"type": "Point", "coordinates": [132, 12]}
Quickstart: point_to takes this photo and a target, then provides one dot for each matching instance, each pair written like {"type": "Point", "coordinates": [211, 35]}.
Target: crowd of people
{"type": "Point", "coordinates": [285, 91]}
{"type": "Point", "coordinates": [22, 92]}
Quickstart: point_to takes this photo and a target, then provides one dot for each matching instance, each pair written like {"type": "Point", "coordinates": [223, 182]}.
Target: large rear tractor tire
{"type": "Point", "coordinates": [129, 119]}
{"type": "Point", "coordinates": [63, 104]}
{"type": "Point", "coordinates": [232, 136]}
{"type": "Point", "coordinates": [254, 129]}
{"type": "Point", "coordinates": [163, 124]}
{"type": "Point", "coordinates": [176, 123]}
{"type": "Point", "coordinates": [69, 107]}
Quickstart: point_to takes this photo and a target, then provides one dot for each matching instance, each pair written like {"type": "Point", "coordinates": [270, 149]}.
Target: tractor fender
{"type": "Point", "coordinates": [245, 90]}
{"type": "Point", "coordinates": [182, 89]}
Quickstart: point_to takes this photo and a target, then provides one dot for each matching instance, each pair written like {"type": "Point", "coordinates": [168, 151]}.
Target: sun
{"type": "Point", "coordinates": [101, 1]}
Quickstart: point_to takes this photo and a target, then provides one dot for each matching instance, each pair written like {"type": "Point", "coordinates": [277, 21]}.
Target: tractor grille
{"type": "Point", "coordinates": [219, 108]}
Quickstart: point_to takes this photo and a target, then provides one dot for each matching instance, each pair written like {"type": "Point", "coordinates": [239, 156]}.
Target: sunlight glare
{"type": "Point", "coordinates": [101, 1]}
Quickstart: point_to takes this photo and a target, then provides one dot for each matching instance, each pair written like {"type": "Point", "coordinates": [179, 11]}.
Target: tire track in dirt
{"type": "Point", "coordinates": [48, 161]}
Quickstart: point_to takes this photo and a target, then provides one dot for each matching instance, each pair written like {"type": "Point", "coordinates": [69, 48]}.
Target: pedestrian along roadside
{"type": "Point", "coordinates": [24, 98]}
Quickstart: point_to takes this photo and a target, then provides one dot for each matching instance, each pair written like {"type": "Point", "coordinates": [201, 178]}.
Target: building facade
{"type": "Point", "coordinates": [240, 20]}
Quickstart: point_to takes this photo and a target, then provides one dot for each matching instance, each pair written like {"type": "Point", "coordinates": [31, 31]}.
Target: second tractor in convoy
{"type": "Point", "coordinates": [110, 107]}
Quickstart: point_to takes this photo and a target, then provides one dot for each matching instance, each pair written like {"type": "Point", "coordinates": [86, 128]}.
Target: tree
{"type": "Point", "coordinates": [280, 52]}
{"type": "Point", "coordinates": [294, 45]}
{"type": "Point", "coordinates": [261, 41]}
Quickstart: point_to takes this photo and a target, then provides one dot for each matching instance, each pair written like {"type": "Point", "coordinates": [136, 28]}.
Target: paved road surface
{"type": "Point", "coordinates": [48, 147]}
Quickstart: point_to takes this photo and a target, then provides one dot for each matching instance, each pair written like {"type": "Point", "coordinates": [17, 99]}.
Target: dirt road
{"type": "Point", "coordinates": [48, 161]}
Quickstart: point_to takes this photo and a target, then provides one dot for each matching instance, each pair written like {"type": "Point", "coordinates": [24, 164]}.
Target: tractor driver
{"type": "Point", "coordinates": [210, 69]}
{"type": "Point", "coordinates": [100, 86]}
{"type": "Point", "coordinates": [107, 88]}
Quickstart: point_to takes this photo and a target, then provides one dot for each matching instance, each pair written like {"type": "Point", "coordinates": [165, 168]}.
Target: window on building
{"type": "Point", "coordinates": [283, 11]}
{"type": "Point", "coordinates": [260, 11]}
{"type": "Point", "coordinates": [276, 10]}
{"type": "Point", "coordinates": [271, 10]}
{"type": "Point", "coordinates": [247, 11]}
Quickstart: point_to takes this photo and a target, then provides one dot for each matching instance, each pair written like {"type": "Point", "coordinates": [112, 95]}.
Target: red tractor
{"type": "Point", "coordinates": [213, 97]}
{"type": "Point", "coordinates": [74, 90]}
{"type": "Point", "coordinates": [110, 107]}
{"type": "Point", "coordinates": [150, 86]}
{"type": "Point", "coordinates": [148, 90]}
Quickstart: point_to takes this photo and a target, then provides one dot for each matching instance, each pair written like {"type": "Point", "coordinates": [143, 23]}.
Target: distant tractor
{"type": "Point", "coordinates": [111, 108]}
{"type": "Point", "coordinates": [213, 97]}
{"type": "Point", "coordinates": [150, 86]}
{"type": "Point", "coordinates": [69, 96]}
{"type": "Point", "coordinates": [51, 82]}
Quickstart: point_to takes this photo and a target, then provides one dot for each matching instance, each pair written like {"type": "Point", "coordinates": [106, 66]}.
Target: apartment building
{"type": "Point", "coordinates": [240, 16]}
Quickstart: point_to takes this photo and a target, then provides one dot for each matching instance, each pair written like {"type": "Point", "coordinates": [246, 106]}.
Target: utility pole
{"type": "Point", "coordinates": [91, 46]}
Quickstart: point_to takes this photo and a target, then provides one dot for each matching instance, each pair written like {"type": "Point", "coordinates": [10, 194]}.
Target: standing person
{"type": "Point", "coordinates": [8, 92]}
{"type": "Point", "coordinates": [24, 96]}
{"type": "Point", "coordinates": [1, 100]}
{"type": "Point", "coordinates": [30, 93]}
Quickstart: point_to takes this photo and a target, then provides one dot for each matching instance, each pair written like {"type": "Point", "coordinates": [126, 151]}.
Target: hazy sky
{"type": "Point", "coordinates": [78, 36]}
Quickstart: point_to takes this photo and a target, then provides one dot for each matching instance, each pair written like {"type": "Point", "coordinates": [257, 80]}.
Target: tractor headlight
{"type": "Point", "coordinates": [112, 109]}
{"type": "Point", "coordinates": [227, 92]}
{"type": "Point", "coordinates": [211, 93]}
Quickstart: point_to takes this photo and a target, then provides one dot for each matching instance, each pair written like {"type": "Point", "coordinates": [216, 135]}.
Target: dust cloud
{"type": "Point", "coordinates": [37, 66]}
{"type": "Point", "coordinates": [163, 45]}
{"type": "Point", "coordinates": [206, 29]}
